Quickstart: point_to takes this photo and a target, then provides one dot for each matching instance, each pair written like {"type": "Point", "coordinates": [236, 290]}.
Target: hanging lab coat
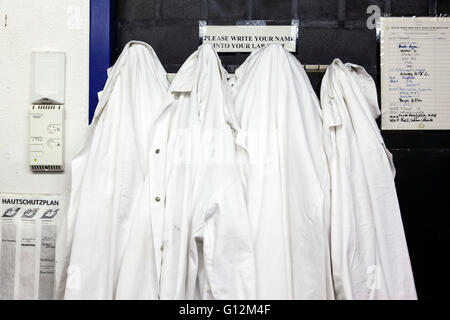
{"type": "Point", "coordinates": [110, 207]}
{"type": "Point", "coordinates": [369, 253]}
{"type": "Point", "coordinates": [286, 175]}
{"type": "Point", "coordinates": [205, 241]}
{"type": "Point", "coordinates": [177, 228]}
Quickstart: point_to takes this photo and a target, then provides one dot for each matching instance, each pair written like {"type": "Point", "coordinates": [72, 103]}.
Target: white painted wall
{"type": "Point", "coordinates": [40, 25]}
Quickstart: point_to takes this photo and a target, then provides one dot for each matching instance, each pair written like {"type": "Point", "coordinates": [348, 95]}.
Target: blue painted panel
{"type": "Point", "coordinates": [99, 49]}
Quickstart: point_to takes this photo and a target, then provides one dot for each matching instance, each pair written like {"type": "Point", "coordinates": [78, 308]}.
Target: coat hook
{"type": "Point", "coordinates": [315, 67]}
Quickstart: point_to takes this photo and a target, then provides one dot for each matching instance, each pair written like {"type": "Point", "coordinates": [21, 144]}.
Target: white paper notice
{"type": "Point", "coordinates": [249, 38]}
{"type": "Point", "coordinates": [415, 73]}
{"type": "Point", "coordinates": [28, 234]}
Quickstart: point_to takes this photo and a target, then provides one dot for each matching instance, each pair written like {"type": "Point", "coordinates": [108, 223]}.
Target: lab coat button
{"type": "Point", "coordinates": [157, 151]}
{"type": "Point", "coordinates": [157, 199]}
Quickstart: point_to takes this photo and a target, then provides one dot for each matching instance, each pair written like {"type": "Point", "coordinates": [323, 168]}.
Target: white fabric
{"type": "Point", "coordinates": [206, 212]}
{"type": "Point", "coordinates": [286, 174]}
{"type": "Point", "coordinates": [109, 192]}
{"type": "Point", "coordinates": [161, 209]}
{"type": "Point", "coordinates": [171, 223]}
{"type": "Point", "coordinates": [370, 258]}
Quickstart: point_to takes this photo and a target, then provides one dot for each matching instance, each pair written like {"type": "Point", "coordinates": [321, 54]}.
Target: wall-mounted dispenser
{"type": "Point", "coordinates": [47, 111]}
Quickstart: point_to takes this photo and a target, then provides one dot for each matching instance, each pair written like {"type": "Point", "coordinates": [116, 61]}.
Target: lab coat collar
{"type": "Point", "coordinates": [188, 75]}
{"type": "Point", "coordinates": [333, 91]}
{"type": "Point", "coordinates": [367, 87]}
{"type": "Point", "coordinates": [353, 71]}
{"type": "Point", "coordinates": [341, 77]}
{"type": "Point", "coordinates": [182, 83]}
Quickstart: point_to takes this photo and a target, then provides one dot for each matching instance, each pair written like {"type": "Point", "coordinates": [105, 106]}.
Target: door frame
{"type": "Point", "coordinates": [100, 45]}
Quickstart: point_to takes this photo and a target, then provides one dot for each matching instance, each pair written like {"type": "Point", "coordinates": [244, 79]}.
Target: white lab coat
{"type": "Point", "coordinates": [109, 195]}
{"type": "Point", "coordinates": [286, 174]}
{"type": "Point", "coordinates": [158, 201]}
{"type": "Point", "coordinates": [206, 244]}
{"type": "Point", "coordinates": [369, 254]}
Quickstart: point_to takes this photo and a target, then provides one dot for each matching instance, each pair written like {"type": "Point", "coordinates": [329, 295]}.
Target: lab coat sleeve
{"type": "Point", "coordinates": [98, 221]}
{"type": "Point", "coordinates": [88, 268]}
{"type": "Point", "coordinates": [227, 247]}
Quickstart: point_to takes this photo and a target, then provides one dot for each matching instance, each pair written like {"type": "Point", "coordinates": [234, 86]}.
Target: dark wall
{"type": "Point", "coordinates": [328, 30]}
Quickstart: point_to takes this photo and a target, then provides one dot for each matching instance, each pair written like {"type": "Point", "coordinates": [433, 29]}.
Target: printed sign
{"type": "Point", "coordinates": [247, 38]}
{"type": "Point", "coordinates": [28, 234]}
{"type": "Point", "coordinates": [415, 73]}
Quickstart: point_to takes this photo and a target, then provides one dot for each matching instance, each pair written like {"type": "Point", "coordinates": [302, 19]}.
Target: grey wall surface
{"type": "Point", "coordinates": [328, 29]}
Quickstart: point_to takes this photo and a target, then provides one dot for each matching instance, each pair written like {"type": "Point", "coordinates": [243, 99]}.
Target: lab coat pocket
{"type": "Point", "coordinates": [205, 234]}
{"type": "Point", "coordinates": [209, 236]}
{"type": "Point", "coordinates": [331, 117]}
